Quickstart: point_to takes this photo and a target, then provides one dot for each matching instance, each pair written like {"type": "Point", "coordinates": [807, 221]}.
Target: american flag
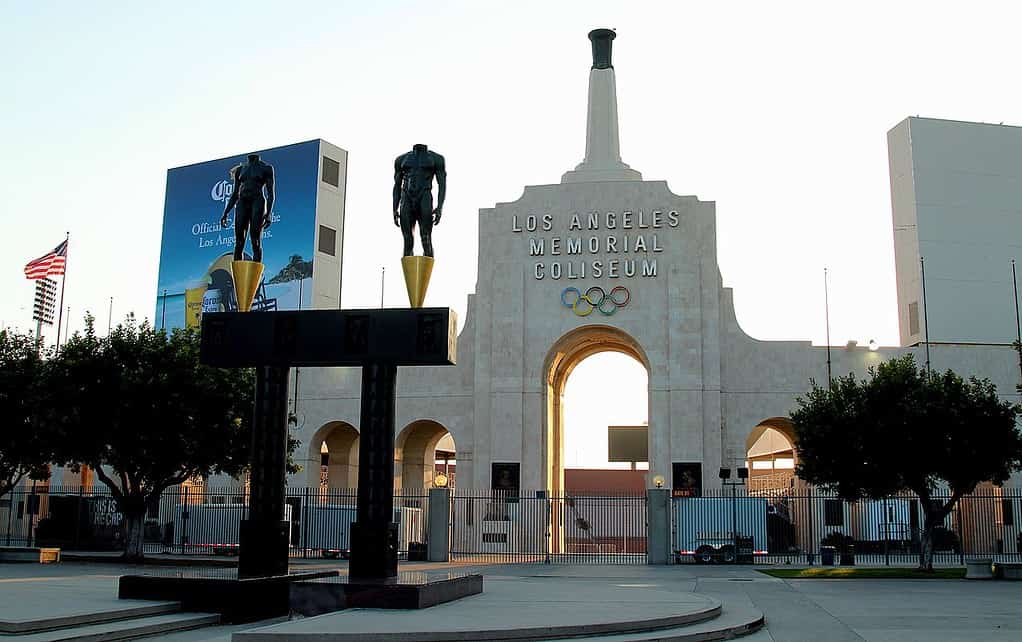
{"type": "Point", "coordinates": [48, 264]}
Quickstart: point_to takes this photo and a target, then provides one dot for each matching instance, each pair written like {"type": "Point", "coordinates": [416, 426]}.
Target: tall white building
{"type": "Point", "coordinates": [956, 193]}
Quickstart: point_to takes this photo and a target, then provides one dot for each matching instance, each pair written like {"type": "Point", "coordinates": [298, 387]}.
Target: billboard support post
{"type": "Point", "coordinates": [377, 340]}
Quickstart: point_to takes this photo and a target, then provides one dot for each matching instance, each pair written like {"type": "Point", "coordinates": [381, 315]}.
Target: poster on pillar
{"type": "Point", "coordinates": [505, 479]}
{"type": "Point", "coordinates": [686, 479]}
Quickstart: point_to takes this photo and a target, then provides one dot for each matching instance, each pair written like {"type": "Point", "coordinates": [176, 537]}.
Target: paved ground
{"type": "Point", "coordinates": [796, 610]}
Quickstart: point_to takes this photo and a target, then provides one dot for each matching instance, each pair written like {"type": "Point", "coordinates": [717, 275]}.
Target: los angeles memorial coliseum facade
{"type": "Point", "coordinates": [601, 260]}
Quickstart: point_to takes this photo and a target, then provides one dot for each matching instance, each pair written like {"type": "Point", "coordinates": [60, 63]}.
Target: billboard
{"type": "Point", "coordinates": [627, 443]}
{"type": "Point", "coordinates": [196, 253]}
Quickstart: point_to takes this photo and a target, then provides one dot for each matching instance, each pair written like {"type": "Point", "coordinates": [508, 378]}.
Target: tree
{"type": "Point", "coordinates": [25, 446]}
{"type": "Point", "coordinates": [140, 410]}
{"type": "Point", "coordinates": [905, 428]}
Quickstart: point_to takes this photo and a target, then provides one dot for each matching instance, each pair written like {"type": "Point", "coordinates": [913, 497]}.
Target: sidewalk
{"type": "Point", "coordinates": [795, 610]}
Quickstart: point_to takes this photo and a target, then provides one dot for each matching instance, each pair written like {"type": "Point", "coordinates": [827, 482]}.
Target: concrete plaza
{"type": "Point", "coordinates": [795, 610]}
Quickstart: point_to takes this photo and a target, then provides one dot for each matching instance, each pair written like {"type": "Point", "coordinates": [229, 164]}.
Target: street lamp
{"type": "Point", "coordinates": [725, 480]}
{"type": "Point", "coordinates": [440, 480]}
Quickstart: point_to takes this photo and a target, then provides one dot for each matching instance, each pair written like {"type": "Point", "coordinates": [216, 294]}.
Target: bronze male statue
{"type": "Point", "coordinates": [254, 209]}
{"type": "Point", "coordinates": [413, 197]}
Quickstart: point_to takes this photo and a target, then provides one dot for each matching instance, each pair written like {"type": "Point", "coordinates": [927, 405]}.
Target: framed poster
{"type": "Point", "coordinates": [505, 478]}
{"type": "Point", "coordinates": [686, 479]}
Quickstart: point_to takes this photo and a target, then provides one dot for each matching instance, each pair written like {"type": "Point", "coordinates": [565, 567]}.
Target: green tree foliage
{"type": "Point", "coordinates": [140, 410]}
{"type": "Point", "coordinates": [25, 442]}
{"type": "Point", "coordinates": [936, 435]}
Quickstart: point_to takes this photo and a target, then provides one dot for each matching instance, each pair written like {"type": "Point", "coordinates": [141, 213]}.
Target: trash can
{"type": "Point", "coordinates": [827, 555]}
{"type": "Point", "coordinates": [746, 551]}
{"type": "Point", "coordinates": [848, 555]}
{"type": "Point", "coordinates": [416, 552]}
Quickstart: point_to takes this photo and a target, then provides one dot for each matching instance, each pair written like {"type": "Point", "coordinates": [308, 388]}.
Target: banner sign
{"type": "Point", "coordinates": [196, 253]}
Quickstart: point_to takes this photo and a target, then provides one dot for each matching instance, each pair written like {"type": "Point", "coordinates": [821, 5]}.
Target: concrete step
{"type": "Point", "coordinates": [133, 629]}
{"type": "Point", "coordinates": [135, 610]}
{"type": "Point", "coordinates": [733, 622]}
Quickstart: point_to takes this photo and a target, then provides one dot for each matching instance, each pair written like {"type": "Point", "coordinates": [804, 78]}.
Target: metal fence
{"type": "Point", "coordinates": [808, 527]}
{"type": "Point", "coordinates": [788, 526]}
{"type": "Point", "coordinates": [195, 521]}
{"type": "Point", "coordinates": [497, 527]}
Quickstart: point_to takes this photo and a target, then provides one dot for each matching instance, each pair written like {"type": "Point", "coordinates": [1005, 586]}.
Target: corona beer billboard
{"type": "Point", "coordinates": [196, 253]}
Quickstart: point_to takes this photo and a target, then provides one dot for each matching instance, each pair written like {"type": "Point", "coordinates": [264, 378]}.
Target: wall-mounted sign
{"type": "Point", "coordinates": [687, 479]}
{"type": "Point", "coordinates": [595, 298]}
{"type": "Point", "coordinates": [596, 244]}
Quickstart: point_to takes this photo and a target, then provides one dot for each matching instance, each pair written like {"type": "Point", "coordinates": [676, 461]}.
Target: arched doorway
{"type": "Point", "coordinates": [606, 420]}
{"type": "Point", "coordinates": [770, 455]}
{"type": "Point", "coordinates": [332, 461]}
{"type": "Point", "coordinates": [415, 454]}
{"type": "Point", "coordinates": [566, 354]}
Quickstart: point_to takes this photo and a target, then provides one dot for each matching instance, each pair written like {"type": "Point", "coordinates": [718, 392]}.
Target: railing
{"type": "Point", "coordinates": [497, 527]}
{"type": "Point", "coordinates": [793, 526]}
{"type": "Point", "coordinates": [781, 526]}
{"type": "Point", "coordinates": [195, 521]}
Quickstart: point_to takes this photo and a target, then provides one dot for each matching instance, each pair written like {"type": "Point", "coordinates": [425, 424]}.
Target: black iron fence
{"type": "Point", "coordinates": [788, 526]}
{"type": "Point", "coordinates": [497, 527]}
{"type": "Point", "coordinates": [195, 520]}
{"type": "Point", "coordinates": [794, 526]}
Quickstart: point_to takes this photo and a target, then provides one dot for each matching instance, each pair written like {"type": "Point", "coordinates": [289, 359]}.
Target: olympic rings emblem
{"type": "Point", "coordinates": [595, 299]}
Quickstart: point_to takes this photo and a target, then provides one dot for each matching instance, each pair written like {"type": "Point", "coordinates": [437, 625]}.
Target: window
{"type": "Point", "coordinates": [331, 172]}
{"type": "Point", "coordinates": [1007, 514]}
{"type": "Point", "coordinates": [833, 512]}
{"type": "Point", "coordinates": [327, 240]}
{"type": "Point", "coordinates": [913, 318]}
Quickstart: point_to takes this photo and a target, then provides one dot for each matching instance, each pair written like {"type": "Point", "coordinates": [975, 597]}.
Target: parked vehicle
{"type": "Point", "coordinates": [327, 528]}
{"type": "Point", "coordinates": [211, 527]}
{"type": "Point", "coordinates": [709, 529]}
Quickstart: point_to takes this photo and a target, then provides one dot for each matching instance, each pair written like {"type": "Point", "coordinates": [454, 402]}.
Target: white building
{"type": "Point", "coordinates": [956, 194]}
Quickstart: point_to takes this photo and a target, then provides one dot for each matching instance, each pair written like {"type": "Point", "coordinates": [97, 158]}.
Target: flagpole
{"type": "Point", "coordinates": [63, 281]}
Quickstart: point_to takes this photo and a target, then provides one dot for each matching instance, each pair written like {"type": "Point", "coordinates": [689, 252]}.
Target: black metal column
{"type": "Point", "coordinates": [263, 541]}
{"type": "Point", "coordinates": [374, 535]}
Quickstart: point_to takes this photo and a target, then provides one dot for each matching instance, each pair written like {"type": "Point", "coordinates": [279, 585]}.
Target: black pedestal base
{"type": "Point", "coordinates": [373, 551]}
{"type": "Point", "coordinates": [220, 591]}
{"type": "Point", "coordinates": [262, 548]}
{"type": "Point", "coordinates": [409, 590]}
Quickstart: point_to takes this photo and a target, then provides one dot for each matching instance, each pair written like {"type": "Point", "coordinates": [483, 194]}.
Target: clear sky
{"type": "Point", "coordinates": [776, 111]}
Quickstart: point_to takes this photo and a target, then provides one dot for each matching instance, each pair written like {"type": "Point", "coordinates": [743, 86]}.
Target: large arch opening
{"type": "Point", "coordinates": [567, 354]}
{"type": "Point", "coordinates": [417, 449]}
{"type": "Point", "coordinates": [332, 462]}
{"type": "Point", "coordinates": [606, 421]}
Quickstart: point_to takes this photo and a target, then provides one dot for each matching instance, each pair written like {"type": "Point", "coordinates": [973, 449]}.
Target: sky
{"type": "Point", "coordinates": [778, 112]}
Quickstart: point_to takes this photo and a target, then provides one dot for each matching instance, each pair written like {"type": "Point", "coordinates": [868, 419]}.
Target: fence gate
{"type": "Point", "coordinates": [497, 528]}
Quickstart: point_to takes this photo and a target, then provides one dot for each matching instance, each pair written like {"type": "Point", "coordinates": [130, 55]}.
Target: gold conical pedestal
{"type": "Point", "coordinates": [247, 277]}
{"type": "Point", "coordinates": [417, 270]}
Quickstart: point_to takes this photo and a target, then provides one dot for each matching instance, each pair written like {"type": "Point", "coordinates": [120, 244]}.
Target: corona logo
{"type": "Point", "coordinates": [595, 298]}
{"type": "Point", "coordinates": [221, 190]}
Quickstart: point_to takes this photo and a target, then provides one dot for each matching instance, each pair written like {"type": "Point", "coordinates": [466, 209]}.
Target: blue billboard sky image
{"type": "Point", "coordinates": [195, 252]}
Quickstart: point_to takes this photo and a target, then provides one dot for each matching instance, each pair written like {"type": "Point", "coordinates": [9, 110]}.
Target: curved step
{"type": "Point", "coordinates": [733, 622]}
{"type": "Point", "coordinates": [141, 609]}
{"type": "Point", "coordinates": [125, 629]}
{"type": "Point", "coordinates": [372, 625]}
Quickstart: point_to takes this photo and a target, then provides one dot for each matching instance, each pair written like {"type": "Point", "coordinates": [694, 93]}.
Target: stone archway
{"type": "Point", "coordinates": [414, 454]}
{"type": "Point", "coordinates": [341, 441]}
{"type": "Point", "coordinates": [771, 455]}
{"type": "Point", "coordinates": [566, 353]}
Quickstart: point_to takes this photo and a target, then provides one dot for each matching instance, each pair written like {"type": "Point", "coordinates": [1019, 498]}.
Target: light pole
{"type": "Point", "coordinates": [725, 480]}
